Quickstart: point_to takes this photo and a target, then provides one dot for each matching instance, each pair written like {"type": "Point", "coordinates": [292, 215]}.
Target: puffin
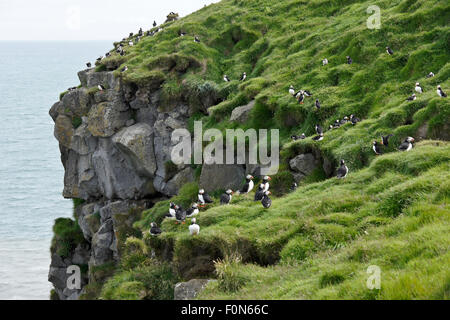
{"type": "Point", "coordinates": [99, 58]}
{"type": "Point", "coordinates": [407, 144]}
{"type": "Point", "coordinates": [354, 120]}
{"type": "Point", "coordinates": [324, 61]}
{"type": "Point", "coordinates": [317, 104]}
{"type": "Point", "coordinates": [441, 93]}
{"type": "Point", "coordinates": [249, 184]}
{"type": "Point", "coordinates": [124, 69]}
{"type": "Point", "coordinates": [307, 93]}
{"type": "Point", "coordinates": [389, 51]}
{"type": "Point", "coordinates": [349, 60]}
{"type": "Point", "coordinates": [243, 77]}
{"type": "Point", "coordinates": [319, 137]}
{"type": "Point", "coordinates": [342, 170]}
{"type": "Point", "coordinates": [192, 211]}
{"type": "Point", "coordinates": [376, 148]}
{"type": "Point", "coordinates": [318, 129]}
{"type": "Point", "coordinates": [301, 97]}
{"type": "Point", "coordinates": [172, 210]}
{"type": "Point", "coordinates": [140, 32]}
{"type": "Point", "coordinates": [343, 121]}
{"type": "Point", "coordinates": [130, 43]}
{"type": "Point", "coordinates": [194, 228]}
{"type": "Point", "coordinates": [131, 34]}
{"type": "Point", "coordinates": [203, 197]}
{"type": "Point", "coordinates": [294, 186]}
{"type": "Point", "coordinates": [265, 182]}
{"type": "Point", "coordinates": [100, 87]}
{"type": "Point", "coordinates": [88, 65]}
{"type": "Point", "coordinates": [291, 90]}
{"type": "Point", "coordinates": [430, 75]}
{"type": "Point", "coordinates": [385, 139]}
{"type": "Point", "coordinates": [154, 229]}
{"type": "Point", "coordinates": [418, 88]}
{"type": "Point", "coordinates": [226, 197]}
{"type": "Point", "coordinates": [196, 39]}
{"type": "Point", "coordinates": [412, 98]}
{"type": "Point", "coordinates": [259, 193]}
{"type": "Point", "coordinates": [226, 79]}
{"type": "Point", "coordinates": [154, 24]}
{"type": "Point", "coordinates": [180, 215]}
{"type": "Point", "coordinates": [301, 137]}
{"type": "Point", "coordinates": [266, 201]}
{"type": "Point", "coordinates": [107, 54]}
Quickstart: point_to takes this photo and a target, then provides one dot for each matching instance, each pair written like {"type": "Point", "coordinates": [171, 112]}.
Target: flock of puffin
{"type": "Point", "coordinates": [262, 193]}
{"type": "Point", "coordinates": [178, 214]}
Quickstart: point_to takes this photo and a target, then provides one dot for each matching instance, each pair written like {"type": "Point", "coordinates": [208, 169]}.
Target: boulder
{"type": "Point", "coordinates": [222, 176]}
{"type": "Point", "coordinates": [181, 178]}
{"type": "Point", "coordinates": [304, 163]}
{"type": "Point", "coordinates": [136, 143]}
{"type": "Point", "coordinates": [241, 114]}
{"type": "Point", "coordinates": [189, 290]}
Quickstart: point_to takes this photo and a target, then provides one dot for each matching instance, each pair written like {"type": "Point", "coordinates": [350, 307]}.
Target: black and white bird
{"type": "Point", "coordinates": [294, 186]}
{"type": "Point", "coordinates": [266, 201]}
{"type": "Point", "coordinates": [154, 229]}
{"type": "Point", "coordinates": [407, 144]}
{"type": "Point", "coordinates": [88, 65]}
{"type": "Point", "coordinates": [124, 69]}
{"type": "Point", "coordinates": [259, 194]}
{"type": "Point", "coordinates": [354, 120]}
{"type": "Point", "coordinates": [307, 93]}
{"type": "Point", "coordinates": [430, 75]}
{"type": "Point", "coordinates": [345, 120]}
{"type": "Point", "coordinates": [317, 104]}
{"type": "Point", "coordinates": [249, 184]}
{"type": "Point", "coordinates": [318, 129]}
{"type": "Point", "coordinates": [180, 214]}
{"type": "Point", "coordinates": [154, 24]}
{"type": "Point", "coordinates": [130, 43]}
{"type": "Point", "coordinates": [440, 92]}
{"type": "Point", "coordinates": [203, 197]}
{"type": "Point", "coordinates": [412, 98]}
{"type": "Point", "coordinates": [243, 77]}
{"type": "Point", "coordinates": [418, 88]}
{"type": "Point", "coordinates": [385, 140]}
{"type": "Point", "coordinates": [226, 197]}
{"type": "Point", "coordinates": [324, 61]}
{"type": "Point", "coordinates": [389, 51]}
{"type": "Point", "coordinates": [107, 54]}
{"type": "Point", "coordinates": [301, 97]}
{"type": "Point", "coordinates": [172, 211]}
{"type": "Point", "coordinates": [266, 184]}
{"type": "Point", "coordinates": [349, 60]}
{"type": "Point", "coordinates": [99, 58]}
{"type": "Point", "coordinates": [376, 148]}
{"type": "Point", "coordinates": [101, 87]}
{"type": "Point", "coordinates": [196, 39]}
{"type": "Point", "coordinates": [319, 137]}
{"type": "Point", "coordinates": [182, 33]}
{"type": "Point", "coordinates": [336, 124]}
{"type": "Point", "coordinates": [194, 228]}
{"type": "Point", "coordinates": [300, 137]}
{"type": "Point", "coordinates": [342, 170]}
{"type": "Point", "coordinates": [226, 79]}
{"type": "Point", "coordinates": [192, 211]}
{"type": "Point", "coordinates": [131, 34]}
{"type": "Point", "coordinates": [291, 90]}
{"type": "Point", "coordinates": [140, 32]}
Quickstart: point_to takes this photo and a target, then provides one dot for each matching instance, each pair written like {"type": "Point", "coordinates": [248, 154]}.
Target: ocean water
{"type": "Point", "coordinates": [31, 174]}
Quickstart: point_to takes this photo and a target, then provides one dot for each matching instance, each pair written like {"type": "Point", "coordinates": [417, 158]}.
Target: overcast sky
{"type": "Point", "coordinates": [85, 19]}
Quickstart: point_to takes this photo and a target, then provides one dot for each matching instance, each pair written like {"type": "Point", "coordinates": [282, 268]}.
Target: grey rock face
{"type": "Point", "coordinates": [304, 163]}
{"type": "Point", "coordinates": [189, 290]}
{"type": "Point", "coordinates": [136, 142]}
{"type": "Point", "coordinates": [172, 187]}
{"type": "Point", "coordinates": [242, 114]}
{"type": "Point", "coordinates": [221, 176]}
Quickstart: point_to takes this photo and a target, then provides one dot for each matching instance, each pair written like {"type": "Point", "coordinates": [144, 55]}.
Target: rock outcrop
{"type": "Point", "coordinates": [190, 289]}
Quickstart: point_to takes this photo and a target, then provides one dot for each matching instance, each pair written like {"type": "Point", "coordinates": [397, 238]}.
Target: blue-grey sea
{"type": "Point", "coordinates": [32, 74]}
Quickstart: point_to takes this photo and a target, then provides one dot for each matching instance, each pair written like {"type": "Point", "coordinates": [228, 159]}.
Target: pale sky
{"type": "Point", "coordinates": [85, 19]}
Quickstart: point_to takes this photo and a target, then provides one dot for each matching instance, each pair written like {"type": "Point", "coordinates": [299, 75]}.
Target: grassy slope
{"type": "Point", "coordinates": [393, 212]}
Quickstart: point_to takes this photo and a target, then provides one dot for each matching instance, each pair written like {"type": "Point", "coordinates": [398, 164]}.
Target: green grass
{"type": "Point", "coordinates": [317, 242]}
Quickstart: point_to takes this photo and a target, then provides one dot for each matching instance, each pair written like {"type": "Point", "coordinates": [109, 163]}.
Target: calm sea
{"type": "Point", "coordinates": [32, 74]}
